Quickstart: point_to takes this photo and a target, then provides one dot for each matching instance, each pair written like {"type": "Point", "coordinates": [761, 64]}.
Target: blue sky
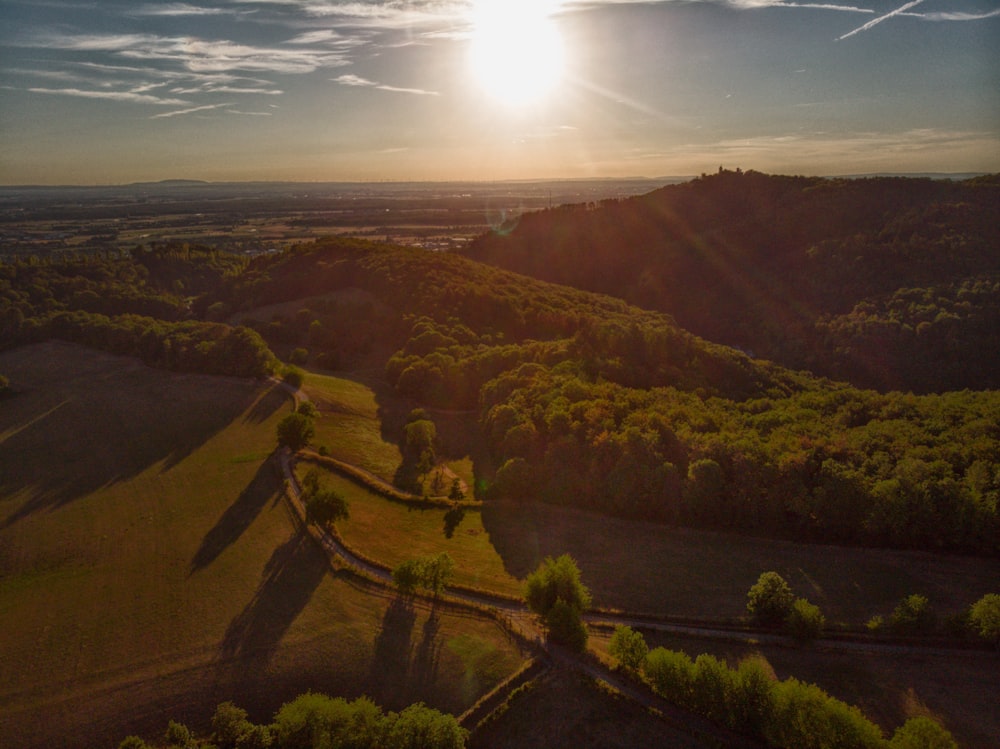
{"type": "Point", "coordinates": [113, 91]}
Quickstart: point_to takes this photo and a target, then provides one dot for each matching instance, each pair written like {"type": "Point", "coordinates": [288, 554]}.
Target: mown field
{"type": "Point", "coordinates": [149, 568]}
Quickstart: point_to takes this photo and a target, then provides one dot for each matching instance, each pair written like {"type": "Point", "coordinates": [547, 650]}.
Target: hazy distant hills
{"type": "Point", "coordinates": [892, 283]}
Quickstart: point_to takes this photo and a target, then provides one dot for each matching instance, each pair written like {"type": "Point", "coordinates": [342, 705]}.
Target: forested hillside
{"type": "Point", "coordinates": [890, 283]}
{"type": "Point", "coordinates": [584, 400]}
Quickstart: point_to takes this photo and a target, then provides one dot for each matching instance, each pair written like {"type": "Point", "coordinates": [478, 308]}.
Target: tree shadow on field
{"type": "Point", "coordinates": [239, 515]}
{"type": "Point", "coordinates": [403, 671]}
{"type": "Point", "coordinates": [427, 653]}
{"type": "Point", "coordinates": [265, 407]}
{"type": "Point", "coordinates": [291, 577]}
{"type": "Point", "coordinates": [517, 532]}
{"type": "Point", "coordinates": [391, 656]}
{"type": "Point", "coordinates": [107, 421]}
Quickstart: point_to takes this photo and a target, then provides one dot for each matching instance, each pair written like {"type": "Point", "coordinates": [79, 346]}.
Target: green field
{"type": "Point", "coordinates": [149, 567]}
{"type": "Point", "coordinates": [392, 532]}
{"type": "Point", "coordinates": [350, 423]}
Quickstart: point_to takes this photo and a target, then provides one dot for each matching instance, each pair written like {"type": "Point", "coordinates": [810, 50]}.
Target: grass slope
{"type": "Point", "coordinates": [149, 568]}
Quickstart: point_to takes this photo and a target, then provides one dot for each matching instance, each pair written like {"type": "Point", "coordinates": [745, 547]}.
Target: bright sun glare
{"type": "Point", "coordinates": [516, 53]}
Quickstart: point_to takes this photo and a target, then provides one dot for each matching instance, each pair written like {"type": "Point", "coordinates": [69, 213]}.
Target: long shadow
{"type": "Point", "coordinates": [239, 515]}
{"type": "Point", "coordinates": [517, 533]}
{"type": "Point", "coordinates": [73, 437]}
{"type": "Point", "coordinates": [291, 577]}
{"type": "Point", "coordinates": [274, 399]}
{"type": "Point", "coordinates": [427, 653]}
{"type": "Point", "coordinates": [452, 519]}
{"type": "Point", "coordinates": [391, 657]}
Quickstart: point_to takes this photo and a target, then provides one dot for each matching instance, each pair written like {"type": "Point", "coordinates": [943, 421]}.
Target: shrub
{"type": "Point", "coordinates": [769, 600]}
{"type": "Point", "coordinates": [671, 674]}
{"type": "Point", "coordinates": [133, 742]}
{"type": "Point", "coordinates": [805, 621]}
{"type": "Point", "coordinates": [178, 735]}
{"type": "Point", "coordinates": [913, 614]}
{"type": "Point", "coordinates": [985, 617]}
{"type": "Point", "coordinates": [307, 408]}
{"type": "Point", "coordinates": [325, 507]}
{"type": "Point", "coordinates": [629, 647]}
{"type": "Point", "coordinates": [751, 699]}
{"type": "Point", "coordinates": [922, 733]}
{"type": "Point", "coordinates": [294, 377]}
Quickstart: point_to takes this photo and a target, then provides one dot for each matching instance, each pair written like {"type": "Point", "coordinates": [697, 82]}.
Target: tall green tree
{"type": "Point", "coordinates": [295, 431]}
{"type": "Point", "coordinates": [555, 592]}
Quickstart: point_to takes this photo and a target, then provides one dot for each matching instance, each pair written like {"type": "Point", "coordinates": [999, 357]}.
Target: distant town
{"type": "Point", "coordinates": [259, 218]}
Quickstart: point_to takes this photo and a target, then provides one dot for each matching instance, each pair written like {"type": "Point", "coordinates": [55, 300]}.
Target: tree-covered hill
{"type": "Point", "coordinates": [583, 399]}
{"type": "Point", "coordinates": [586, 401]}
{"type": "Point", "coordinates": [891, 283]}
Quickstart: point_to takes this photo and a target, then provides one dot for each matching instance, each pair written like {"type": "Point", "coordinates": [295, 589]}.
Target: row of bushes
{"type": "Point", "coordinates": [316, 721]}
{"type": "Point", "coordinates": [750, 700]}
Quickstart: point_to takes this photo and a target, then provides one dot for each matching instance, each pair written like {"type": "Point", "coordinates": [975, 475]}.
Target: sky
{"type": "Point", "coordinates": [119, 91]}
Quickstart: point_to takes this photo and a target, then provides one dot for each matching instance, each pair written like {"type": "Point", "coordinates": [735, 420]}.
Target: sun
{"type": "Point", "coordinates": [516, 53]}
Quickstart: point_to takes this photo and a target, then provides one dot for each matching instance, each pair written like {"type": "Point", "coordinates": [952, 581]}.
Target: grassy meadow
{"type": "Point", "coordinates": [392, 532]}
{"type": "Point", "coordinates": [350, 423]}
{"type": "Point", "coordinates": [150, 569]}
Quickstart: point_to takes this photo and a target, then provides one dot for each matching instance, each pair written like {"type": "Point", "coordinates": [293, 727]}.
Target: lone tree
{"type": "Point", "coordinates": [431, 573]}
{"type": "Point", "coordinates": [554, 592]}
{"type": "Point", "coordinates": [324, 506]}
{"type": "Point", "coordinates": [769, 600]}
{"type": "Point", "coordinates": [295, 431]}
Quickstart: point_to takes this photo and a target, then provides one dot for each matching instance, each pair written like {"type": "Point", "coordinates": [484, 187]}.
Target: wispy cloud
{"type": "Point", "coordinates": [129, 96]}
{"type": "Point", "coordinates": [196, 54]}
{"type": "Point", "coordinates": [751, 4]}
{"type": "Point", "coordinates": [954, 15]}
{"type": "Point", "coordinates": [355, 80]}
{"type": "Point", "coordinates": [189, 110]}
{"type": "Point", "coordinates": [875, 21]}
{"type": "Point", "coordinates": [177, 9]}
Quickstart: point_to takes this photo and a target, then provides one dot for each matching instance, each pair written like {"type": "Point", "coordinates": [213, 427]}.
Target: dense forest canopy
{"type": "Point", "coordinates": [583, 399]}
{"type": "Point", "coordinates": [890, 283]}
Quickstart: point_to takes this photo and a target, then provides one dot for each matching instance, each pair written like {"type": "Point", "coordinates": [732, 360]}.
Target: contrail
{"type": "Point", "coordinates": [876, 21]}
